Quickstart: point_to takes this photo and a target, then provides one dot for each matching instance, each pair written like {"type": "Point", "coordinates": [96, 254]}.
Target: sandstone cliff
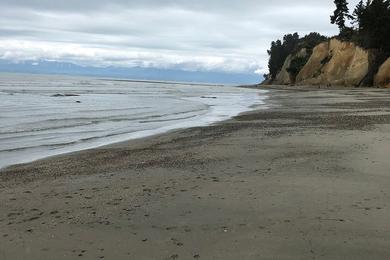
{"type": "Point", "coordinates": [334, 63]}
{"type": "Point", "coordinates": [284, 77]}
{"type": "Point", "coordinates": [310, 73]}
{"type": "Point", "coordinates": [382, 78]}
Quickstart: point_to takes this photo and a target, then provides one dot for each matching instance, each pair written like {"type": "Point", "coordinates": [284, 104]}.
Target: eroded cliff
{"type": "Point", "coordinates": [382, 78]}
{"type": "Point", "coordinates": [335, 63]}
{"type": "Point", "coordinates": [285, 77]}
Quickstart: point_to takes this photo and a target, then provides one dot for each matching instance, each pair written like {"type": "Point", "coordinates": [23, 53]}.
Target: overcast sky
{"type": "Point", "coordinates": [220, 35]}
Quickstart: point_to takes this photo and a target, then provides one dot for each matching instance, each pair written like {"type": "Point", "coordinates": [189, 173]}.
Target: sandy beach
{"type": "Point", "coordinates": [307, 178]}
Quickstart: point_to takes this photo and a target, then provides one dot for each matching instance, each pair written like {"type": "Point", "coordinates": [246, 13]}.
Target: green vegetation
{"type": "Point", "coordinates": [296, 65]}
{"type": "Point", "coordinates": [291, 44]}
{"type": "Point", "coordinates": [341, 14]}
{"type": "Point", "coordinates": [371, 30]}
{"type": "Point", "coordinates": [368, 26]}
{"type": "Point", "coordinates": [372, 21]}
{"type": "Point", "coordinates": [279, 52]}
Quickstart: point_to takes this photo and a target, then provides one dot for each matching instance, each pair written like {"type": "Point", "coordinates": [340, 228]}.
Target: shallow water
{"type": "Point", "coordinates": [42, 116]}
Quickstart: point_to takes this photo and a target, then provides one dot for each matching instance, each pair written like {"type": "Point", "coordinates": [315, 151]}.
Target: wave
{"type": "Point", "coordinates": [65, 123]}
{"type": "Point", "coordinates": [35, 125]}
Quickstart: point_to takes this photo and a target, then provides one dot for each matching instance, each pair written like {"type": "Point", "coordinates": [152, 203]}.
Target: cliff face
{"type": "Point", "coordinates": [335, 63]}
{"type": "Point", "coordinates": [382, 78]}
{"type": "Point", "coordinates": [284, 77]}
{"type": "Point", "coordinates": [310, 73]}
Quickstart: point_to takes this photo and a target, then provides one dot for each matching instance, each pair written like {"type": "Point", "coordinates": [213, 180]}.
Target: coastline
{"type": "Point", "coordinates": [84, 117]}
{"type": "Point", "coordinates": [305, 179]}
{"type": "Point", "coordinates": [135, 143]}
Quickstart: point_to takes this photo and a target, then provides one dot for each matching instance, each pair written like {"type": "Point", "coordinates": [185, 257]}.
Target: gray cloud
{"type": "Point", "coordinates": [224, 35]}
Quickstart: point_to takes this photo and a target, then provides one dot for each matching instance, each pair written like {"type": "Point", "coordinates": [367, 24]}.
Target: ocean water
{"type": "Point", "coordinates": [42, 116]}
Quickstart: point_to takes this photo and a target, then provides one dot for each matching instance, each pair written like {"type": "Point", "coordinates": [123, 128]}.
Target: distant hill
{"type": "Point", "coordinates": [137, 73]}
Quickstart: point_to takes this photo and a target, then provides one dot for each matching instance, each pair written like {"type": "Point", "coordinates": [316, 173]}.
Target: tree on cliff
{"type": "Point", "coordinates": [279, 52]}
{"type": "Point", "coordinates": [276, 58]}
{"type": "Point", "coordinates": [358, 13]}
{"type": "Point", "coordinates": [291, 44]}
{"type": "Point", "coordinates": [311, 40]}
{"type": "Point", "coordinates": [341, 14]}
{"type": "Point", "coordinates": [374, 25]}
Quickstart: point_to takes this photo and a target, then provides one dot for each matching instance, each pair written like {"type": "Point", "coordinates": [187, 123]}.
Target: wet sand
{"type": "Point", "coordinates": [308, 178]}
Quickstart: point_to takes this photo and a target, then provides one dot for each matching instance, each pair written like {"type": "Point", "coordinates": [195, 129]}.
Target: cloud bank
{"type": "Point", "coordinates": [203, 35]}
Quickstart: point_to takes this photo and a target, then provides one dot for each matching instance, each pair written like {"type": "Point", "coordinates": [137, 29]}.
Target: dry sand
{"type": "Point", "coordinates": [308, 178]}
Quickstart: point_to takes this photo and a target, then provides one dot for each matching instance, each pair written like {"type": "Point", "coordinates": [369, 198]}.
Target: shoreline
{"type": "Point", "coordinates": [305, 179]}
{"type": "Point", "coordinates": [209, 111]}
{"type": "Point", "coordinates": [134, 142]}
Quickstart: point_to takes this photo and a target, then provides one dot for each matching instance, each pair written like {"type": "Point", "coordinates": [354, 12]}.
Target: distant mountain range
{"type": "Point", "coordinates": [136, 73]}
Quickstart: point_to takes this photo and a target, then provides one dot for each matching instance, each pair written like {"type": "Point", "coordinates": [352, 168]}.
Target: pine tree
{"type": "Point", "coordinates": [341, 14]}
{"type": "Point", "coordinates": [374, 25]}
{"type": "Point", "coordinates": [358, 13]}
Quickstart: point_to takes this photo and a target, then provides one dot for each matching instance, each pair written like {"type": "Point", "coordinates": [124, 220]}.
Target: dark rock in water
{"type": "Point", "coordinates": [78, 101]}
{"type": "Point", "coordinates": [65, 95]}
{"type": "Point", "coordinates": [208, 97]}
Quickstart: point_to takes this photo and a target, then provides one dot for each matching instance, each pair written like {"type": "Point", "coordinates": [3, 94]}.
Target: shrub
{"type": "Point", "coordinates": [296, 66]}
